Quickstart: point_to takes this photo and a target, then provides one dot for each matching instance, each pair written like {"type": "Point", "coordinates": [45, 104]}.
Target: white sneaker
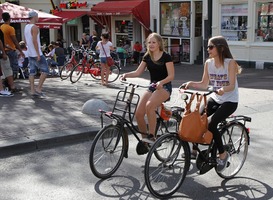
{"type": "Point", "coordinates": [5, 93]}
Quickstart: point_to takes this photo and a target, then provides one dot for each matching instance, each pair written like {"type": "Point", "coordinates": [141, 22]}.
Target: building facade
{"type": "Point", "coordinates": [248, 27]}
{"type": "Point", "coordinates": [181, 24]}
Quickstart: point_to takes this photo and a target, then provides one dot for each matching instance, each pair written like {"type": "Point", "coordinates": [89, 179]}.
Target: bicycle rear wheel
{"type": "Point", "coordinates": [164, 177]}
{"type": "Point", "coordinates": [235, 139]}
{"type": "Point", "coordinates": [66, 70]}
{"type": "Point", "coordinates": [114, 73]}
{"type": "Point", "coordinates": [107, 151]}
{"type": "Point", "coordinates": [76, 73]}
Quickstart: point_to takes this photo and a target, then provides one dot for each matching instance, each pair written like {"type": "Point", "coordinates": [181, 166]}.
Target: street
{"type": "Point", "coordinates": [63, 173]}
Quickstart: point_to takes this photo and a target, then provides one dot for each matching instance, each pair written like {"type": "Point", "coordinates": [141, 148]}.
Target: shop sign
{"type": "Point", "coordinates": [235, 10]}
{"type": "Point", "coordinates": [73, 5]}
{"type": "Point", "coordinates": [17, 21]}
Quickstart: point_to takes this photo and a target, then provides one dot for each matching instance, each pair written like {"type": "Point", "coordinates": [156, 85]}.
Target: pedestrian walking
{"type": "Point", "coordinates": [11, 44]}
{"type": "Point", "coordinates": [3, 56]}
{"type": "Point", "coordinates": [36, 58]}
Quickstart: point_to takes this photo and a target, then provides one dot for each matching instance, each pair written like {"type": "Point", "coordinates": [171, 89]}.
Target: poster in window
{"type": "Point", "coordinates": [175, 19]}
{"type": "Point", "coordinates": [264, 9]}
{"type": "Point", "coordinates": [185, 51]}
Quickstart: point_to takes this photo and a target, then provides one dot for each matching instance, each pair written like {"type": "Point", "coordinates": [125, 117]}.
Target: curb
{"type": "Point", "coordinates": [26, 144]}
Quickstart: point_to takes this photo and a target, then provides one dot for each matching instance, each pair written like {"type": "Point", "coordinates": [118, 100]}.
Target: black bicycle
{"type": "Point", "coordinates": [164, 177]}
{"type": "Point", "coordinates": [111, 143]}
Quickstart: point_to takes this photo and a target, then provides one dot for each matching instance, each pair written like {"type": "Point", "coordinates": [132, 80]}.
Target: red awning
{"type": "Point", "coordinates": [49, 26]}
{"type": "Point", "coordinates": [139, 8]}
{"type": "Point", "coordinates": [19, 14]}
{"type": "Point", "coordinates": [71, 14]}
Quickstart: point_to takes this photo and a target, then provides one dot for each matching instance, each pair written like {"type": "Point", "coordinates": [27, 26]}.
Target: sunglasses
{"type": "Point", "coordinates": [210, 47]}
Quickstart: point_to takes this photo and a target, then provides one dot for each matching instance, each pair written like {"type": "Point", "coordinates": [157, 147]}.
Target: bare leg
{"type": "Point", "coordinates": [153, 103]}
{"type": "Point", "coordinates": [107, 71]}
{"type": "Point", "coordinates": [11, 82]}
{"type": "Point", "coordinates": [103, 72]}
{"type": "Point", "coordinates": [31, 82]}
{"type": "Point", "coordinates": [140, 113]}
{"type": "Point", "coordinates": [41, 82]}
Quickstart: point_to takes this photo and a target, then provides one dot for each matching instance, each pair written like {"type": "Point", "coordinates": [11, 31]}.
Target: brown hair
{"type": "Point", "coordinates": [223, 50]}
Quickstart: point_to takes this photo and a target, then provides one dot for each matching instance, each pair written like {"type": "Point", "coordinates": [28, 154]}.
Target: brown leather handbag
{"type": "Point", "coordinates": [194, 126]}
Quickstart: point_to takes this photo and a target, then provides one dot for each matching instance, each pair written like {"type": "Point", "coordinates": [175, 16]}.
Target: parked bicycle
{"type": "Point", "coordinates": [164, 177]}
{"type": "Point", "coordinates": [72, 62]}
{"type": "Point", "coordinates": [91, 66]}
{"type": "Point", "coordinates": [111, 143]}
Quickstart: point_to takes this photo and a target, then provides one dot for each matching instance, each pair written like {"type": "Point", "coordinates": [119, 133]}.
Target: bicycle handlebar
{"type": "Point", "coordinates": [135, 85]}
{"type": "Point", "coordinates": [207, 92]}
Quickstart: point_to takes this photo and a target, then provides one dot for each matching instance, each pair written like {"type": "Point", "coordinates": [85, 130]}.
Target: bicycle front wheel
{"type": "Point", "coordinates": [66, 70]}
{"type": "Point", "coordinates": [107, 151]}
{"type": "Point", "coordinates": [162, 128]}
{"type": "Point", "coordinates": [164, 177]}
{"type": "Point", "coordinates": [114, 73]}
{"type": "Point", "coordinates": [76, 73]}
{"type": "Point", "coordinates": [235, 139]}
{"type": "Point", "coordinates": [96, 66]}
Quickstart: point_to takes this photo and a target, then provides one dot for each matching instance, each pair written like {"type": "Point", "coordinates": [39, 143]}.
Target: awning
{"type": "Point", "coordinates": [139, 8]}
{"type": "Point", "coordinates": [19, 14]}
{"type": "Point", "coordinates": [49, 26]}
{"type": "Point", "coordinates": [69, 15]}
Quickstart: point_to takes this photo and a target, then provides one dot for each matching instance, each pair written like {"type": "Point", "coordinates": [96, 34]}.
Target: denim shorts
{"type": "Point", "coordinates": [13, 57]}
{"type": "Point", "coordinates": [103, 60]}
{"type": "Point", "coordinates": [167, 87]}
{"type": "Point", "coordinates": [41, 65]}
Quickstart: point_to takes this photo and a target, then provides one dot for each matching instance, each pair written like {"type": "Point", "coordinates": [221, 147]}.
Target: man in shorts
{"type": "Point", "coordinates": [36, 58]}
{"type": "Point", "coordinates": [11, 44]}
{"type": "Point", "coordinates": [5, 66]}
{"type": "Point", "coordinates": [3, 92]}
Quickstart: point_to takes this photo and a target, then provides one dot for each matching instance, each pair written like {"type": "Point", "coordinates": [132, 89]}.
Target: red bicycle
{"type": "Point", "coordinates": [90, 65]}
{"type": "Point", "coordinates": [65, 71]}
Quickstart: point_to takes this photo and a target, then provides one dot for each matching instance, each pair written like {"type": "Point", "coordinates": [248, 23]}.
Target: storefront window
{"type": "Point", "coordinates": [264, 31]}
{"type": "Point", "coordinates": [121, 26]}
{"type": "Point", "coordinates": [234, 22]}
{"type": "Point", "coordinates": [175, 19]}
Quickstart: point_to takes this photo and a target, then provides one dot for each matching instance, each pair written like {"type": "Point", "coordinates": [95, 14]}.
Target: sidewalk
{"type": "Point", "coordinates": [28, 124]}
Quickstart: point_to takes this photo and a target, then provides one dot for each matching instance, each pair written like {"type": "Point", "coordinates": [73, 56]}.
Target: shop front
{"type": "Point", "coordinates": [248, 27]}
{"type": "Point", "coordinates": [180, 24]}
{"type": "Point", "coordinates": [126, 21]}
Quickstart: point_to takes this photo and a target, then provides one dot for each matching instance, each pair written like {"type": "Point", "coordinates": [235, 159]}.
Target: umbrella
{"type": "Point", "coordinates": [19, 14]}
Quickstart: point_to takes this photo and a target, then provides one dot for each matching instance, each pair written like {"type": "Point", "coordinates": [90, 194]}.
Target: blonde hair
{"type": "Point", "coordinates": [160, 42]}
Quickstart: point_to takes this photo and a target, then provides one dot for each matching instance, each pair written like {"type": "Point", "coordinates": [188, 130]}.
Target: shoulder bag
{"type": "Point", "coordinates": [194, 126]}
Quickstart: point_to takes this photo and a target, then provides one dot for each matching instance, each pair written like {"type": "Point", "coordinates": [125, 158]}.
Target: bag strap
{"type": "Point", "coordinates": [199, 101]}
{"type": "Point", "coordinates": [188, 104]}
{"type": "Point", "coordinates": [103, 49]}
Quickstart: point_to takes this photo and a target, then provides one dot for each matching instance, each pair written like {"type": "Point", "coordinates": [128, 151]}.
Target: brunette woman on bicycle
{"type": "Point", "coordinates": [220, 71]}
{"type": "Point", "coordinates": [161, 68]}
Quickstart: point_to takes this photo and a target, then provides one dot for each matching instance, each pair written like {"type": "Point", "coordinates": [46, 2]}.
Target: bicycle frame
{"type": "Point", "coordinates": [126, 97]}
{"type": "Point", "coordinates": [209, 162]}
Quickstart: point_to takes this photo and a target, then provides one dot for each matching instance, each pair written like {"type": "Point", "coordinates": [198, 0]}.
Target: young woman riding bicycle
{"type": "Point", "coordinates": [161, 68]}
{"type": "Point", "coordinates": [220, 71]}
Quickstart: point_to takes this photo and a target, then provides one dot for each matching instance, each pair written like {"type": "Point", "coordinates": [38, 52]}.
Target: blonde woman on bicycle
{"type": "Point", "coordinates": [161, 68]}
{"type": "Point", "coordinates": [220, 71]}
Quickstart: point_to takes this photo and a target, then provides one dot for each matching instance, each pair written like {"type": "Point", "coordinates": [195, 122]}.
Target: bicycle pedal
{"type": "Point", "coordinates": [205, 168]}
